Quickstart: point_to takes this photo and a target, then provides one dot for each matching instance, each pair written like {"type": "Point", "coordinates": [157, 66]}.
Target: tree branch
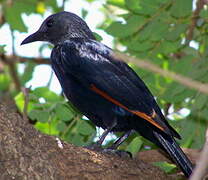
{"type": "Point", "coordinates": [25, 91]}
{"type": "Point", "coordinates": [12, 66]}
{"type": "Point", "coordinates": [199, 5]}
{"type": "Point", "coordinates": [144, 64]}
{"type": "Point", "coordinates": [147, 65]}
{"type": "Point", "coordinates": [18, 59]}
{"type": "Point", "coordinates": [14, 76]}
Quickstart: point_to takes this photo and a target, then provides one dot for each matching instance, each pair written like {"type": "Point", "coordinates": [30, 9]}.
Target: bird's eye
{"type": "Point", "coordinates": [49, 23]}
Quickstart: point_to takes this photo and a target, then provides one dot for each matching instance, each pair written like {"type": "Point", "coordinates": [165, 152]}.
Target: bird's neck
{"type": "Point", "coordinates": [72, 37]}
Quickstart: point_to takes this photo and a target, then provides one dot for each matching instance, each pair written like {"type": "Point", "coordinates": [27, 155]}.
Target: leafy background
{"type": "Point", "coordinates": [171, 34]}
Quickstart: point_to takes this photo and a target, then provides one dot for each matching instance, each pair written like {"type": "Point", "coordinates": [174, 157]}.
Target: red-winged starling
{"type": "Point", "coordinates": [103, 88]}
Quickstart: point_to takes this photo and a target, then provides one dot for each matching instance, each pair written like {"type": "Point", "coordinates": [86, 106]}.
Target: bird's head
{"type": "Point", "coordinates": [60, 27]}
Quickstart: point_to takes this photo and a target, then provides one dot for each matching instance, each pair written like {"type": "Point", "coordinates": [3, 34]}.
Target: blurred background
{"type": "Point", "coordinates": [171, 34]}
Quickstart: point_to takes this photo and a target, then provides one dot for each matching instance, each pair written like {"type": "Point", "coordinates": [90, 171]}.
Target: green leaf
{"type": "Point", "coordinates": [2, 49]}
{"type": "Point", "coordinates": [200, 101]}
{"type": "Point", "coordinates": [40, 8]}
{"type": "Point", "coordinates": [167, 167]}
{"type": "Point", "coordinates": [175, 93]}
{"type": "Point", "coordinates": [52, 4]}
{"type": "Point", "coordinates": [133, 24]}
{"type": "Point", "coordinates": [20, 102]}
{"type": "Point", "coordinates": [61, 126]}
{"type": "Point", "coordinates": [63, 112]}
{"type": "Point", "coordinates": [204, 13]}
{"type": "Point", "coordinates": [77, 139]}
{"type": "Point", "coordinates": [84, 128]}
{"type": "Point", "coordinates": [97, 36]}
{"type": "Point", "coordinates": [135, 145]}
{"type": "Point", "coordinates": [146, 7]}
{"type": "Point", "coordinates": [140, 46]}
{"type": "Point", "coordinates": [155, 31]}
{"type": "Point", "coordinates": [181, 8]}
{"type": "Point", "coordinates": [14, 11]}
{"type": "Point", "coordinates": [84, 13]}
{"type": "Point", "coordinates": [46, 128]}
{"type": "Point", "coordinates": [175, 32]}
{"type": "Point", "coordinates": [133, 5]}
{"type": "Point", "coordinates": [47, 94]}
{"type": "Point", "coordinates": [193, 130]}
{"type": "Point", "coordinates": [160, 29]}
{"type": "Point", "coordinates": [167, 47]}
{"type": "Point", "coordinates": [90, 1]}
{"type": "Point", "coordinates": [4, 81]}
{"type": "Point", "coordinates": [39, 115]}
{"type": "Point", "coordinates": [118, 3]}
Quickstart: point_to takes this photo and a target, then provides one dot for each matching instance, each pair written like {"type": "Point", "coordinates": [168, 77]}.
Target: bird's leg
{"type": "Point", "coordinates": [98, 144]}
{"type": "Point", "coordinates": [113, 148]}
{"type": "Point", "coordinates": [121, 139]}
{"type": "Point", "coordinates": [103, 136]}
{"type": "Point", "coordinates": [106, 132]}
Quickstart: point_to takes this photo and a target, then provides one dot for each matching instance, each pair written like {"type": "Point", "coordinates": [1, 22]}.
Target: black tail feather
{"type": "Point", "coordinates": [173, 149]}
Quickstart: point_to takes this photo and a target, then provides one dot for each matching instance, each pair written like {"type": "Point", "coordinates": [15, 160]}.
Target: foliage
{"type": "Point", "coordinates": [160, 32]}
{"type": "Point", "coordinates": [163, 32]}
{"type": "Point", "coordinates": [167, 167]}
{"type": "Point", "coordinates": [53, 115]}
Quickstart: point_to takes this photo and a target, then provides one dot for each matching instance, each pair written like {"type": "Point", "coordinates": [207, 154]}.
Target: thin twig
{"type": "Point", "coordinates": [25, 91]}
{"type": "Point", "coordinates": [50, 79]}
{"type": "Point", "coordinates": [199, 6]}
{"type": "Point", "coordinates": [14, 76]}
{"type": "Point", "coordinates": [63, 5]}
{"type": "Point", "coordinates": [201, 169]}
{"type": "Point", "coordinates": [147, 65]}
{"type": "Point", "coordinates": [144, 64]}
{"type": "Point", "coordinates": [12, 66]}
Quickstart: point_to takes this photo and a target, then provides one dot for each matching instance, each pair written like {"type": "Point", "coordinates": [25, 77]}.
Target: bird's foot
{"type": "Point", "coordinates": [120, 153]}
{"type": "Point", "coordinates": [95, 147]}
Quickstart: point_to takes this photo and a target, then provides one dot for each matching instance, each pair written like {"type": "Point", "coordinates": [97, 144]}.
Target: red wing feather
{"type": "Point", "coordinates": [140, 114]}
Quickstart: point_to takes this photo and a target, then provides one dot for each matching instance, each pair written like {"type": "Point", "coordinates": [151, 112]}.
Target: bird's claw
{"type": "Point", "coordinates": [95, 147]}
{"type": "Point", "coordinates": [120, 153]}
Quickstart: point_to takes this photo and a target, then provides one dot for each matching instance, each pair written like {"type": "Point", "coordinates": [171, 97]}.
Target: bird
{"type": "Point", "coordinates": [104, 88]}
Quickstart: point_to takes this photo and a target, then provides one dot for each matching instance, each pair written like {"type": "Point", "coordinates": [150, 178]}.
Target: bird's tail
{"type": "Point", "coordinates": [173, 149]}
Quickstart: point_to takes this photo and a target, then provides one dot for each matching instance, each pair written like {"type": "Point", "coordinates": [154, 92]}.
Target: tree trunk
{"type": "Point", "coordinates": [25, 153]}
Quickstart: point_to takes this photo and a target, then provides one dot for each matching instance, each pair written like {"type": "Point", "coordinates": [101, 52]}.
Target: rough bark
{"type": "Point", "coordinates": [25, 153]}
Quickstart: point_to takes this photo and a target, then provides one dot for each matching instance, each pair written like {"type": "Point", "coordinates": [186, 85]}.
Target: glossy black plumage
{"type": "Point", "coordinates": [105, 89]}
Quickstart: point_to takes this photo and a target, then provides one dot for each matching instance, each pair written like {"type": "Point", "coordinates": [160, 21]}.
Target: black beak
{"type": "Point", "coordinates": [37, 36]}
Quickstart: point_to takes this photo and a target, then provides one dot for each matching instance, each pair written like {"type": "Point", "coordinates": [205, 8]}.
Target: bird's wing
{"type": "Point", "coordinates": [93, 64]}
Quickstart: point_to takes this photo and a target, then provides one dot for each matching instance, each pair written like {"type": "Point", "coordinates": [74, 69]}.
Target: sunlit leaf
{"type": "Point", "coordinates": [135, 145]}
{"type": "Point", "coordinates": [118, 3]}
{"type": "Point", "coordinates": [4, 81]}
{"type": "Point", "coordinates": [46, 128]}
{"type": "Point", "coordinates": [47, 94]}
{"type": "Point", "coordinates": [41, 7]}
{"type": "Point", "coordinates": [20, 102]}
{"type": "Point", "coordinates": [167, 167]}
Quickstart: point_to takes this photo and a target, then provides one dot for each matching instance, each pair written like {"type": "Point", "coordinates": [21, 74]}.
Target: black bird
{"type": "Point", "coordinates": [104, 88]}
